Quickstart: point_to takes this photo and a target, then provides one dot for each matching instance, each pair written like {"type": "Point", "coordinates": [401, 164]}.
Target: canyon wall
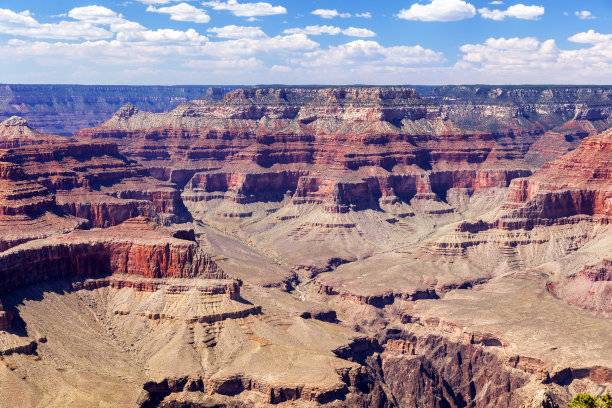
{"type": "Point", "coordinates": [398, 248]}
{"type": "Point", "coordinates": [64, 109]}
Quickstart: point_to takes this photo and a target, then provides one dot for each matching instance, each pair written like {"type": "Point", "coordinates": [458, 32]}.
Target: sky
{"type": "Point", "coordinates": [301, 42]}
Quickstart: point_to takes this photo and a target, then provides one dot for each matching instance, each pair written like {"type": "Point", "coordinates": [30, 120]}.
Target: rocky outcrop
{"type": "Point", "coordinates": [64, 109]}
{"type": "Point", "coordinates": [135, 247]}
{"type": "Point", "coordinates": [463, 376]}
{"type": "Point", "coordinates": [16, 132]}
{"type": "Point", "coordinates": [27, 209]}
{"type": "Point", "coordinates": [5, 318]}
{"type": "Point", "coordinates": [395, 249]}
{"type": "Point", "coordinates": [339, 133]}
{"type": "Point", "coordinates": [93, 181]}
{"type": "Point", "coordinates": [590, 288]}
{"type": "Point", "coordinates": [579, 182]}
{"type": "Point", "coordinates": [243, 187]}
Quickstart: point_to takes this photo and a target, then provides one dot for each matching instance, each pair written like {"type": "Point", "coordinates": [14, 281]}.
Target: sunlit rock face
{"type": "Point", "coordinates": [340, 247]}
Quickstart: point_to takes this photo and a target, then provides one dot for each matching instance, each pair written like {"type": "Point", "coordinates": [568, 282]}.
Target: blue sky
{"type": "Point", "coordinates": [305, 42]}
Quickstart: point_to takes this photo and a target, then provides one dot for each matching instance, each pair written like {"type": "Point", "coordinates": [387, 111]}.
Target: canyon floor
{"type": "Point", "coordinates": [304, 247]}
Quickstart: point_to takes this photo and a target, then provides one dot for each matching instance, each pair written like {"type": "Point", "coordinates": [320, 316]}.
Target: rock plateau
{"type": "Point", "coordinates": [304, 247]}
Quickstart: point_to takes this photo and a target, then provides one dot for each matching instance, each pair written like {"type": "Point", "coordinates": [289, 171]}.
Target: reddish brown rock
{"type": "Point", "coordinates": [579, 182]}
{"type": "Point", "coordinates": [27, 209]}
{"type": "Point", "coordinates": [134, 247]}
{"type": "Point", "coordinates": [93, 181]}
{"type": "Point", "coordinates": [590, 288]}
{"type": "Point", "coordinates": [340, 134]}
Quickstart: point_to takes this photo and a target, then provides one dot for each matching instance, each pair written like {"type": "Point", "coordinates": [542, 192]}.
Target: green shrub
{"type": "Point", "coordinates": [583, 400]}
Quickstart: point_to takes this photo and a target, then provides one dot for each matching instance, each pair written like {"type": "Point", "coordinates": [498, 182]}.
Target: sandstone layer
{"type": "Point", "coordinates": [339, 247]}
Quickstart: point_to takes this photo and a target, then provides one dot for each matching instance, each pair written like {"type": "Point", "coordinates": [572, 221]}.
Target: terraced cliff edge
{"type": "Point", "coordinates": [308, 247]}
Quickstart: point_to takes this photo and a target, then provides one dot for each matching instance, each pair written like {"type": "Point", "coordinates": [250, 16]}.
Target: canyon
{"type": "Point", "coordinates": [310, 246]}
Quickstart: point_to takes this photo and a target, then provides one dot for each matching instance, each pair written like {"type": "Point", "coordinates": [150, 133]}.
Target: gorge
{"type": "Point", "coordinates": [310, 246]}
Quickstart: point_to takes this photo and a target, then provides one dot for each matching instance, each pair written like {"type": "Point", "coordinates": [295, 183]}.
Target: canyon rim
{"type": "Point", "coordinates": [316, 244]}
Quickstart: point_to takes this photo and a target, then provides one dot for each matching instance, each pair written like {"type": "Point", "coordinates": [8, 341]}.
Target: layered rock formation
{"type": "Point", "coordinates": [395, 250]}
{"type": "Point", "coordinates": [16, 132]}
{"type": "Point", "coordinates": [64, 109]}
{"type": "Point", "coordinates": [27, 209]}
{"type": "Point", "coordinates": [579, 182]}
{"type": "Point", "coordinates": [134, 247]}
{"type": "Point", "coordinates": [93, 181]}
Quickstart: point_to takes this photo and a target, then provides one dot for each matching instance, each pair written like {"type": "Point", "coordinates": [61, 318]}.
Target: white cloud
{"type": "Point", "coordinates": [156, 2]}
{"type": "Point", "coordinates": [23, 24]}
{"type": "Point", "coordinates": [314, 30]}
{"type": "Point", "coordinates": [183, 12]}
{"type": "Point", "coordinates": [358, 32]}
{"type": "Point", "coordinates": [530, 60]}
{"type": "Point", "coordinates": [590, 37]}
{"type": "Point", "coordinates": [104, 16]}
{"type": "Point", "coordinates": [362, 52]}
{"type": "Point", "coordinates": [225, 64]}
{"type": "Point", "coordinates": [256, 46]}
{"type": "Point", "coordinates": [439, 10]}
{"type": "Point", "coordinates": [327, 13]}
{"type": "Point", "coordinates": [520, 11]}
{"type": "Point", "coordinates": [96, 15]}
{"type": "Point", "coordinates": [246, 9]}
{"type": "Point", "coordinates": [280, 68]}
{"type": "Point", "coordinates": [331, 30]}
{"type": "Point", "coordinates": [233, 31]}
{"type": "Point", "coordinates": [367, 14]}
{"type": "Point", "coordinates": [165, 35]}
{"type": "Point", "coordinates": [496, 2]}
{"type": "Point", "coordinates": [525, 12]}
{"type": "Point", "coordinates": [585, 15]}
{"type": "Point", "coordinates": [497, 15]}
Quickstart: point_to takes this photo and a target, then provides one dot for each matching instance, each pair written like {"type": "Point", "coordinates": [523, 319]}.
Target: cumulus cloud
{"type": "Point", "coordinates": [280, 68]}
{"type": "Point", "coordinates": [520, 11]}
{"type": "Point", "coordinates": [362, 52]}
{"type": "Point", "coordinates": [156, 48]}
{"type": "Point", "coordinates": [182, 12]}
{"type": "Point", "coordinates": [584, 15]}
{"type": "Point", "coordinates": [331, 30]}
{"type": "Point", "coordinates": [225, 64]}
{"type": "Point", "coordinates": [23, 24]}
{"type": "Point", "coordinates": [358, 32]}
{"type": "Point", "coordinates": [314, 30]}
{"type": "Point", "coordinates": [156, 2]}
{"type": "Point", "coordinates": [233, 31]}
{"type": "Point", "coordinates": [510, 52]}
{"type": "Point", "coordinates": [257, 46]}
{"type": "Point", "coordinates": [525, 12]}
{"type": "Point", "coordinates": [104, 16]}
{"type": "Point", "coordinates": [539, 61]}
{"type": "Point", "coordinates": [439, 10]}
{"type": "Point", "coordinates": [327, 13]}
{"type": "Point", "coordinates": [590, 37]}
{"type": "Point", "coordinates": [95, 15]}
{"type": "Point", "coordinates": [164, 35]}
{"type": "Point", "coordinates": [246, 9]}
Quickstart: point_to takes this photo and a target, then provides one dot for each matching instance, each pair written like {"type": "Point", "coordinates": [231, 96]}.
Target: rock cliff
{"type": "Point", "coordinates": [93, 181]}
{"type": "Point", "coordinates": [64, 109]}
{"type": "Point", "coordinates": [346, 246]}
{"type": "Point", "coordinates": [15, 132]}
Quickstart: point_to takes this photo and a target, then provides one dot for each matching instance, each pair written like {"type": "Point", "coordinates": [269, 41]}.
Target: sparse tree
{"type": "Point", "coordinates": [606, 400]}
{"type": "Point", "coordinates": [583, 401]}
